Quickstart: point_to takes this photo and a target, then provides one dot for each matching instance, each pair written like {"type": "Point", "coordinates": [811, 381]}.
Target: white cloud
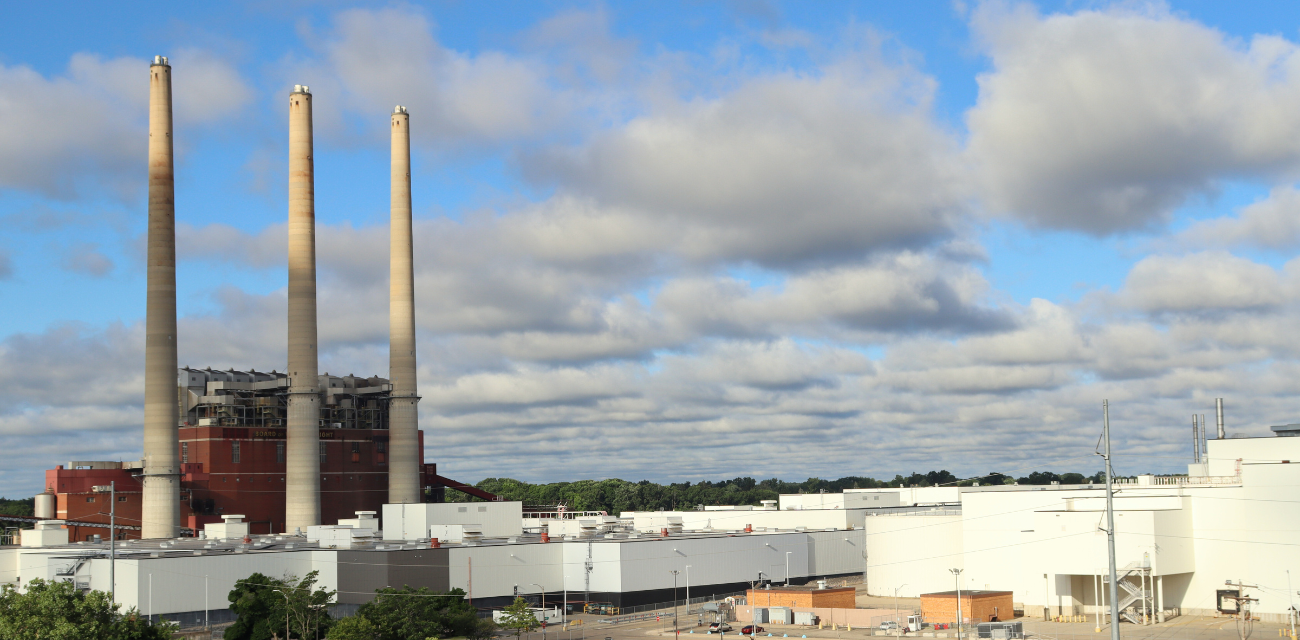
{"type": "Point", "coordinates": [65, 135]}
{"type": "Point", "coordinates": [1104, 121]}
{"type": "Point", "coordinates": [371, 60]}
{"type": "Point", "coordinates": [785, 169]}
{"type": "Point", "coordinates": [1211, 281]}
{"type": "Point", "coordinates": [1271, 223]}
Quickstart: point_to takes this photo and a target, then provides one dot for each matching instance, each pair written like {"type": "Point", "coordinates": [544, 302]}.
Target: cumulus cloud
{"type": "Point", "coordinates": [371, 60]}
{"type": "Point", "coordinates": [62, 135]}
{"type": "Point", "coordinates": [785, 169]}
{"type": "Point", "coordinates": [1104, 121]}
{"type": "Point", "coordinates": [1212, 281]}
{"type": "Point", "coordinates": [1271, 223]}
{"type": "Point", "coordinates": [902, 293]}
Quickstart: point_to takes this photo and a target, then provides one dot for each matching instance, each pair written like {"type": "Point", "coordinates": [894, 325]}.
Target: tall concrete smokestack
{"type": "Point", "coordinates": [302, 455]}
{"type": "Point", "coordinates": [403, 426]}
{"type": "Point", "coordinates": [161, 508]}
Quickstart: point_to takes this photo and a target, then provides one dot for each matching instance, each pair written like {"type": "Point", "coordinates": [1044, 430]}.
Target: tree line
{"type": "Point", "coordinates": [19, 507]}
{"type": "Point", "coordinates": [614, 496]}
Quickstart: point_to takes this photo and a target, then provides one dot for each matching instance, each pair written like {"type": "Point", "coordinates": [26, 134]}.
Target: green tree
{"type": "Point", "coordinates": [483, 629]}
{"type": "Point", "coordinates": [60, 611]}
{"type": "Point", "coordinates": [353, 628]}
{"type": "Point", "coordinates": [263, 603]}
{"type": "Point", "coordinates": [308, 616]}
{"type": "Point", "coordinates": [259, 608]}
{"type": "Point", "coordinates": [401, 614]}
{"type": "Point", "coordinates": [518, 617]}
{"type": "Point", "coordinates": [19, 507]}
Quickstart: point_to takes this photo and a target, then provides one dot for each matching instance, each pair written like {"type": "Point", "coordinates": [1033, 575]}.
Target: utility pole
{"type": "Point", "coordinates": [1110, 524]}
{"type": "Point", "coordinates": [1245, 623]}
{"type": "Point", "coordinates": [956, 577]}
{"type": "Point", "coordinates": [112, 542]}
{"type": "Point", "coordinates": [1290, 614]}
{"type": "Point", "coordinates": [898, 631]}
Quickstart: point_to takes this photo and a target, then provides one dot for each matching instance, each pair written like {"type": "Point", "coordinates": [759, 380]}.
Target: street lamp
{"type": "Point", "coordinates": [896, 629]}
{"type": "Point", "coordinates": [688, 589]}
{"type": "Point", "coordinates": [286, 612]}
{"type": "Point", "coordinates": [787, 568]}
{"type": "Point", "coordinates": [543, 606]}
{"type": "Point", "coordinates": [956, 578]}
{"type": "Point", "coordinates": [676, 633]}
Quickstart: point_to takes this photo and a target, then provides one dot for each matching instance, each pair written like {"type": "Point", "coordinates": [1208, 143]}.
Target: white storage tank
{"type": "Point", "coordinates": [45, 505]}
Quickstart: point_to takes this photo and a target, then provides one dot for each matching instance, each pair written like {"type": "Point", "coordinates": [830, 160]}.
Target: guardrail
{"type": "Point", "coordinates": [637, 617]}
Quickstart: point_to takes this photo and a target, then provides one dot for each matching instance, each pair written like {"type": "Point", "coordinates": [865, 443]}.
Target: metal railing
{"type": "Point", "coordinates": [688, 606]}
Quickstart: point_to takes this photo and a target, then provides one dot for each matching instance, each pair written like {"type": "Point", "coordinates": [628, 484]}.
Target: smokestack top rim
{"type": "Point", "coordinates": [160, 61]}
{"type": "Point", "coordinates": [301, 88]}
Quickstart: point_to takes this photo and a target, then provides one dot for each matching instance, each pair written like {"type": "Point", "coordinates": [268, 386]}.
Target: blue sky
{"type": "Point", "coordinates": [862, 227]}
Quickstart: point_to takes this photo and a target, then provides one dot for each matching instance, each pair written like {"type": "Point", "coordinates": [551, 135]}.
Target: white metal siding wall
{"type": "Point", "coordinates": [716, 560]}
{"type": "Point", "coordinates": [498, 568]}
{"type": "Point", "coordinates": [178, 581]}
{"type": "Point", "coordinates": [606, 565]}
{"type": "Point", "coordinates": [836, 553]}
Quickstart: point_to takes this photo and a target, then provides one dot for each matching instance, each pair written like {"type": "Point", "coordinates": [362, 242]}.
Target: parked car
{"type": "Point", "coordinates": [749, 630]}
{"type": "Point", "coordinates": [719, 627]}
{"type": "Point", "coordinates": [888, 625]}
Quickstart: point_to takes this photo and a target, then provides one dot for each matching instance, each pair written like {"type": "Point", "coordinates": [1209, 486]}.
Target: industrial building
{"type": "Point", "coordinates": [611, 561]}
{"type": "Point", "coordinates": [1179, 538]}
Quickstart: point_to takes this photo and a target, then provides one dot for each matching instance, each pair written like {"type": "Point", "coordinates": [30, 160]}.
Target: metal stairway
{"type": "Point", "coordinates": [1134, 593]}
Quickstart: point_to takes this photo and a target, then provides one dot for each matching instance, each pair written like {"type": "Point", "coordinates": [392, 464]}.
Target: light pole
{"type": "Point", "coordinates": [676, 633]}
{"type": "Point", "coordinates": [688, 589]}
{"type": "Point", "coordinates": [787, 568]}
{"type": "Point", "coordinates": [564, 610]}
{"type": "Point", "coordinates": [896, 607]}
{"type": "Point", "coordinates": [286, 612]}
{"type": "Point", "coordinates": [543, 606]}
{"type": "Point", "coordinates": [956, 578]}
{"type": "Point", "coordinates": [205, 603]}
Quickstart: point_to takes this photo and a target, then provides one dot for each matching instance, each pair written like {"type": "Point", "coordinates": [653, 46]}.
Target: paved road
{"type": "Point", "coordinates": [1183, 628]}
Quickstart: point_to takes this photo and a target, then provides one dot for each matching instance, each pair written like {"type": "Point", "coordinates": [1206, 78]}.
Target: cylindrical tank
{"type": "Point", "coordinates": [45, 505]}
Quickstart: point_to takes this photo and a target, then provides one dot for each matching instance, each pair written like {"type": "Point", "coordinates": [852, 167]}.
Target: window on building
{"type": "Point", "coordinates": [121, 498]}
{"type": "Point", "coordinates": [90, 498]}
{"type": "Point", "coordinates": [381, 446]}
{"type": "Point", "coordinates": [185, 452]}
{"type": "Point", "coordinates": [234, 452]}
{"type": "Point", "coordinates": [322, 452]}
{"type": "Point", "coordinates": [356, 452]}
{"type": "Point", "coordinates": [279, 452]}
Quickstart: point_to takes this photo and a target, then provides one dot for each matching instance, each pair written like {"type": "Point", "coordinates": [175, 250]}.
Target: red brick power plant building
{"type": "Point", "coordinates": [285, 450]}
{"type": "Point", "coordinates": [232, 457]}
